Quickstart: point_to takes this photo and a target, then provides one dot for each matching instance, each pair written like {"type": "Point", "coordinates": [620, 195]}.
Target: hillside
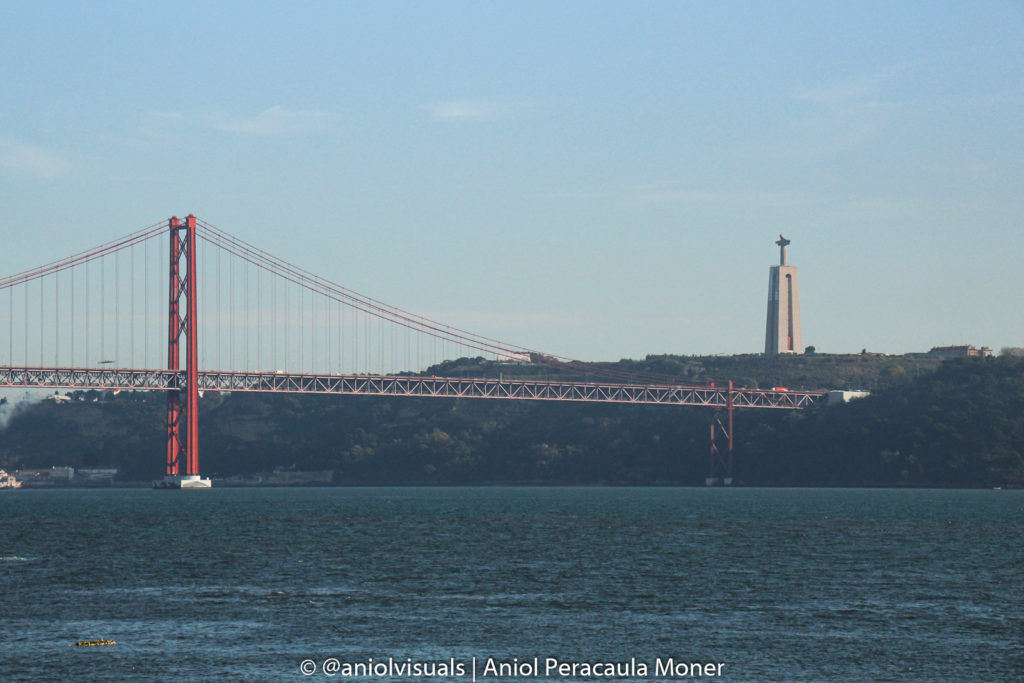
{"type": "Point", "coordinates": [957, 425]}
{"type": "Point", "coordinates": [962, 425]}
{"type": "Point", "coordinates": [812, 371]}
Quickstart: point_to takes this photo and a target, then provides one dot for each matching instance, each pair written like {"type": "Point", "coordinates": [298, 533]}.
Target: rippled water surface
{"type": "Point", "coordinates": [775, 584]}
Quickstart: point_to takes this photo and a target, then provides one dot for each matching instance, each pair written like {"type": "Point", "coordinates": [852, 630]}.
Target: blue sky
{"type": "Point", "coordinates": [597, 180]}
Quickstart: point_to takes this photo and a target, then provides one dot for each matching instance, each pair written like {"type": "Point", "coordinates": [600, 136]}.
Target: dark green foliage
{"type": "Point", "coordinates": [99, 429]}
{"type": "Point", "coordinates": [962, 425]}
{"type": "Point", "coordinates": [814, 371]}
{"type": "Point", "coordinates": [809, 371]}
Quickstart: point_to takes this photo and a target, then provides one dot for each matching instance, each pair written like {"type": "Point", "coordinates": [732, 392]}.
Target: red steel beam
{"type": "Point", "coordinates": [175, 444]}
{"type": "Point", "coordinates": [192, 362]}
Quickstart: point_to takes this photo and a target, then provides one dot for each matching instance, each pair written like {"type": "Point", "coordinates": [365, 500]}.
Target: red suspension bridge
{"type": "Point", "coordinates": [96, 320]}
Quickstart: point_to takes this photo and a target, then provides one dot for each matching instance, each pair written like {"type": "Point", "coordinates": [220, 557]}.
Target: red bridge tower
{"type": "Point", "coordinates": [183, 420]}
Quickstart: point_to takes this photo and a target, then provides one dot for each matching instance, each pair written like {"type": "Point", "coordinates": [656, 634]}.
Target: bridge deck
{"type": "Point", "coordinates": [396, 385]}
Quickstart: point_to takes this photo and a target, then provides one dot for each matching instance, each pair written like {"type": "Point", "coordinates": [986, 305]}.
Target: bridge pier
{"type": "Point", "coordinates": [721, 444]}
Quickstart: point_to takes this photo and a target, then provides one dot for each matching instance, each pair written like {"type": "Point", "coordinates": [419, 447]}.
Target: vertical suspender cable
{"type": "Point", "coordinates": [330, 350]}
{"type": "Point", "coordinates": [88, 309]}
{"type": "Point", "coordinates": [145, 306]}
{"type": "Point", "coordinates": [312, 332]}
{"type": "Point", "coordinates": [117, 307]}
{"type": "Point", "coordinates": [283, 321]}
{"type": "Point", "coordinates": [231, 308]}
{"type": "Point", "coordinates": [302, 327]}
{"type": "Point", "coordinates": [259, 318]}
{"type": "Point", "coordinates": [275, 323]}
{"type": "Point", "coordinates": [220, 314]}
{"type": "Point", "coordinates": [42, 297]}
{"type": "Point", "coordinates": [103, 310]}
{"type": "Point", "coordinates": [71, 318]}
{"type": "Point", "coordinates": [26, 324]}
{"type": "Point", "coordinates": [131, 316]}
{"type": "Point", "coordinates": [56, 319]}
{"type": "Point", "coordinates": [245, 290]}
{"type": "Point", "coordinates": [287, 312]}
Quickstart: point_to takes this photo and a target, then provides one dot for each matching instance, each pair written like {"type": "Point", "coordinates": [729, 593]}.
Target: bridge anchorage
{"type": "Point", "coordinates": [285, 330]}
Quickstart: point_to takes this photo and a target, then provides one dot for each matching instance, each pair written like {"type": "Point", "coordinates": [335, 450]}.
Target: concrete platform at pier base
{"type": "Point", "coordinates": [182, 481]}
{"type": "Point", "coordinates": [714, 481]}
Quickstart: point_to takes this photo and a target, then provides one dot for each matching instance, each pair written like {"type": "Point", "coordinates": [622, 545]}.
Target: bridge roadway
{"type": "Point", "coordinates": [401, 385]}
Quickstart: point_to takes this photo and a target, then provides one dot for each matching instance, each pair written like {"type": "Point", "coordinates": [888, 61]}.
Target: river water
{"type": "Point", "coordinates": [754, 584]}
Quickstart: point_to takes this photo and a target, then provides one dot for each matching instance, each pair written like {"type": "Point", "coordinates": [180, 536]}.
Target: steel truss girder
{"type": "Point", "coordinates": [397, 385]}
